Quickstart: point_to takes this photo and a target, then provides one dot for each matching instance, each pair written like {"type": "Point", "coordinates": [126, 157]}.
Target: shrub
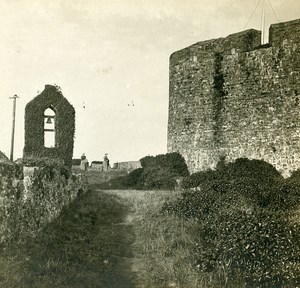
{"type": "Point", "coordinates": [157, 172]}
{"type": "Point", "coordinates": [245, 168]}
{"type": "Point", "coordinates": [290, 196]}
{"type": "Point", "coordinates": [160, 171]}
{"type": "Point", "coordinates": [132, 180]}
{"type": "Point", "coordinates": [262, 247]}
{"type": "Point", "coordinates": [195, 179]}
{"type": "Point", "coordinates": [243, 211]}
{"type": "Point", "coordinates": [240, 168]}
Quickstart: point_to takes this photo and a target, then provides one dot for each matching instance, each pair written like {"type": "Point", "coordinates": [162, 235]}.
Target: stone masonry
{"type": "Point", "coordinates": [64, 119]}
{"type": "Point", "coordinates": [233, 97]}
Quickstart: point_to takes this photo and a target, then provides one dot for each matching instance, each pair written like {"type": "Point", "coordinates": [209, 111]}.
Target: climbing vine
{"type": "Point", "coordinates": [64, 126]}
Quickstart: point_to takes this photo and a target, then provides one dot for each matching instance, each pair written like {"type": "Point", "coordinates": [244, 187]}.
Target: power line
{"type": "Point", "coordinates": [273, 10]}
{"type": "Point", "coordinates": [252, 14]}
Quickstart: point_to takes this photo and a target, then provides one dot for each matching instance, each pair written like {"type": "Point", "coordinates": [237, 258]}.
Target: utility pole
{"type": "Point", "coordinates": [13, 127]}
{"type": "Point", "coordinates": [263, 23]}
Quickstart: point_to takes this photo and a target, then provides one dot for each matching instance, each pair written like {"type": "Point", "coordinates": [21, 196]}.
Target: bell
{"type": "Point", "coordinates": [49, 120]}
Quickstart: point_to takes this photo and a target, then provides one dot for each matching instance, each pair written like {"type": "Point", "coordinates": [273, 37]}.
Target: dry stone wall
{"type": "Point", "coordinates": [30, 200]}
{"type": "Point", "coordinates": [232, 97]}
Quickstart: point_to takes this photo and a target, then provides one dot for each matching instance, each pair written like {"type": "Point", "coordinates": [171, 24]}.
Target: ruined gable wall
{"type": "Point", "coordinates": [64, 126]}
{"type": "Point", "coordinates": [235, 100]}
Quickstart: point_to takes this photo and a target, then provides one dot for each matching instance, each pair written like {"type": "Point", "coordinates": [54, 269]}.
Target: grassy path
{"type": "Point", "coordinates": [106, 239]}
{"type": "Point", "coordinates": [163, 249]}
{"type": "Point", "coordinates": [89, 245]}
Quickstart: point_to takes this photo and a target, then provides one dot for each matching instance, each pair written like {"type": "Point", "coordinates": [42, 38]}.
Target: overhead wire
{"type": "Point", "coordinates": [273, 10]}
{"type": "Point", "coordinates": [252, 14]}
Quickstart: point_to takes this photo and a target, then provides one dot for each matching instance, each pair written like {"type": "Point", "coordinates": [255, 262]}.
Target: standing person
{"type": "Point", "coordinates": [108, 164]}
{"type": "Point", "coordinates": [105, 162]}
{"type": "Point", "coordinates": [84, 163]}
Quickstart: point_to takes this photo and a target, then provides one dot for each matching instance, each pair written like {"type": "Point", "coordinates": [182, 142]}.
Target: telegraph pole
{"type": "Point", "coordinates": [263, 23]}
{"type": "Point", "coordinates": [13, 127]}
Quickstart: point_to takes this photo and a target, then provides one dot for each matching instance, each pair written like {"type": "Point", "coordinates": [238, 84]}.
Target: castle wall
{"type": "Point", "coordinates": [232, 97]}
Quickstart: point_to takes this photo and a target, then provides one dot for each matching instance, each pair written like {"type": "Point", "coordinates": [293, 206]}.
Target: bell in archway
{"type": "Point", "coordinates": [49, 120]}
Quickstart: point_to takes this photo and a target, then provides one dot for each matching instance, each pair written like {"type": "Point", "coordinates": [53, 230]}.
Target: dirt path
{"type": "Point", "coordinates": [89, 245]}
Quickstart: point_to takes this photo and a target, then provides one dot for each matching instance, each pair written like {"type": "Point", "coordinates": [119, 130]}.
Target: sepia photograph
{"type": "Point", "coordinates": [150, 144]}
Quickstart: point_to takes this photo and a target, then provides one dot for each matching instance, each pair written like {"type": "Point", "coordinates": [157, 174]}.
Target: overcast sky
{"type": "Point", "coordinates": [107, 56]}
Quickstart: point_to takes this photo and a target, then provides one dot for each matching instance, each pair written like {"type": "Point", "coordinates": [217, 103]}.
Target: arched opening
{"type": "Point", "coordinates": [49, 128]}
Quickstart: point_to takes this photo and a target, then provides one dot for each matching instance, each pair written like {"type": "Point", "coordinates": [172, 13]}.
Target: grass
{"type": "Point", "coordinates": [96, 177]}
{"type": "Point", "coordinates": [115, 238]}
{"type": "Point", "coordinates": [84, 247]}
{"type": "Point", "coordinates": [163, 249]}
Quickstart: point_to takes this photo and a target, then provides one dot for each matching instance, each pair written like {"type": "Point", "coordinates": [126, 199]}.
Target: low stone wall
{"type": "Point", "coordinates": [30, 200]}
{"type": "Point", "coordinates": [129, 165]}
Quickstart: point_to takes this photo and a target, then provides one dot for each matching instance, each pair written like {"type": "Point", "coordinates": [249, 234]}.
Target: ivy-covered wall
{"type": "Point", "coordinates": [30, 200]}
{"type": "Point", "coordinates": [64, 126]}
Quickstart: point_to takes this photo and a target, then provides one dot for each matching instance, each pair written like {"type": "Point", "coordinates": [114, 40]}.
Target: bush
{"type": "Point", "coordinates": [245, 168]}
{"type": "Point", "coordinates": [243, 211]}
{"type": "Point", "coordinates": [160, 172]}
{"type": "Point", "coordinates": [195, 179]}
{"type": "Point", "coordinates": [240, 168]}
{"type": "Point", "coordinates": [290, 196]}
{"type": "Point", "coordinates": [262, 247]}
{"type": "Point", "coordinates": [157, 172]}
{"type": "Point", "coordinates": [132, 180]}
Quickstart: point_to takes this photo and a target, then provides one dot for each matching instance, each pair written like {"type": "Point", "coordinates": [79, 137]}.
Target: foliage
{"type": "Point", "coordinates": [240, 168]}
{"type": "Point", "coordinates": [35, 201]}
{"type": "Point", "coordinates": [173, 163]}
{"type": "Point", "coordinates": [160, 171]}
{"type": "Point", "coordinates": [263, 247]}
{"type": "Point", "coordinates": [195, 179]}
{"type": "Point", "coordinates": [157, 172]}
{"type": "Point", "coordinates": [64, 126]}
{"type": "Point", "coordinates": [243, 210]}
{"type": "Point", "coordinates": [132, 180]}
{"type": "Point", "coordinates": [243, 167]}
{"type": "Point", "coordinates": [40, 161]}
{"type": "Point", "coordinates": [76, 162]}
